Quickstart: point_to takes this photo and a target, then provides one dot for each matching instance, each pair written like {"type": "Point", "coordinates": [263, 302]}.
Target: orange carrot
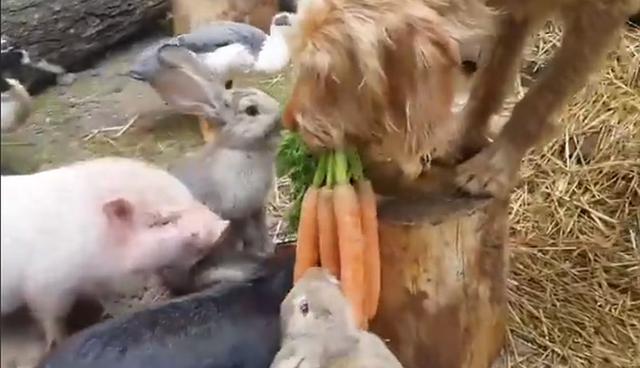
{"type": "Point", "coordinates": [307, 247]}
{"type": "Point", "coordinates": [327, 236]}
{"type": "Point", "coordinates": [372, 246]}
{"type": "Point", "coordinates": [367, 200]}
{"type": "Point", "coordinates": [307, 254]}
{"type": "Point", "coordinates": [350, 239]}
{"type": "Point", "coordinates": [289, 118]}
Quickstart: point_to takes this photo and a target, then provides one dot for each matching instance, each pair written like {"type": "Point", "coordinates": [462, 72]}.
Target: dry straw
{"type": "Point", "coordinates": [575, 268]}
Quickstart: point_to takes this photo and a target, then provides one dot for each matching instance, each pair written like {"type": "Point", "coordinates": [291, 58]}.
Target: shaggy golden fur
{"type": "Point", "coordinates": [384, 70]}
{"type": "Point", "coordinates": [591, 28]}
{"type": "Point", "coordinates": [373, 69]}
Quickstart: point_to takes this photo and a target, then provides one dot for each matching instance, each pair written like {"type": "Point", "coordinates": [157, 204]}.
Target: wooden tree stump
{"type": "Point", "coordinates": [444, 263]}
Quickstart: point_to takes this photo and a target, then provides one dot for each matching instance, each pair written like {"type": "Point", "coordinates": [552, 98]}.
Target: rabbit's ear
{"type": "Point", "coordinates": [180, 57]}
{"type": "Point", "coordinates": [187, 85]}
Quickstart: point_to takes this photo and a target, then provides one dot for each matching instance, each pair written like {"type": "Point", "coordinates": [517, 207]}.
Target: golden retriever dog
{"type": "Point", "coordinates": [590, 29]}
{"type": "Point", "coordinates": [384, 71]}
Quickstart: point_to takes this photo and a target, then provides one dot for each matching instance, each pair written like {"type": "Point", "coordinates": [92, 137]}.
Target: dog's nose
{"type": "Point", "coordinates": [282, 20]}
{"type": "Point", "coordinates": [469, 67]}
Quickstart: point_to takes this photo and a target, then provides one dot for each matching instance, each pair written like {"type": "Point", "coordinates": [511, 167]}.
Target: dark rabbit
{"type": "Point", "coordinates": [234, 324]}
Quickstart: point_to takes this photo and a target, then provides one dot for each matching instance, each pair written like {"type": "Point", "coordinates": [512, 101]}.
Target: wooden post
{"type": "Point", "coordinates": [190, 14]}
{"type": "Point", "coordinates": [444, 263]}
{"type": "Point", "coordinates": [180, 16]}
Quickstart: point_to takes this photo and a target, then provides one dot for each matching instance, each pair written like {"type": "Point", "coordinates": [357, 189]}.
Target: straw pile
{"type": "Point", "coordinates": [575, 271]}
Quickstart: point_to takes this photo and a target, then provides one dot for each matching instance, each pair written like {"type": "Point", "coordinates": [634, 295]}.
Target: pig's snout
{"type": "Point", "coordinates": [204, 227]}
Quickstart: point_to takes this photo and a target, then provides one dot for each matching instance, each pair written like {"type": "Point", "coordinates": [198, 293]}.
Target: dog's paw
{"type": "Point", "coordinates": [493, 171]}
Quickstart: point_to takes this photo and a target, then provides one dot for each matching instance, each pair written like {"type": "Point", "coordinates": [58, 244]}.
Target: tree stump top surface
{"type": "Point", "coordinates": [432, 208]}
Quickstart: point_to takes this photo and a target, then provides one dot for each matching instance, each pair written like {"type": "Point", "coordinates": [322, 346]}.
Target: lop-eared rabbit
{"type": "Point", "coordinates": [234, 174]}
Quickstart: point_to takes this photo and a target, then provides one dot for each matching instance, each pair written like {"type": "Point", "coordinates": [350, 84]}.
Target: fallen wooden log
{"type": "Point", "coordinates": [71, 33]}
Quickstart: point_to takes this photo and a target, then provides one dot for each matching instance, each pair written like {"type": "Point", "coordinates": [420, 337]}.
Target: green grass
{"type": "Point", "coordinates": [299, 165]}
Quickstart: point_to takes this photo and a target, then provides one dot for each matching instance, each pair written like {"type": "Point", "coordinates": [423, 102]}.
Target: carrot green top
{"type": "Point", "coordinates": [330, 170]}
{"type": "Point", "coordinates": [355, 165]}
{"type": "Point", "coordinates": [341, 168]}
{"type": "Point", "coordinates": [321, 171]}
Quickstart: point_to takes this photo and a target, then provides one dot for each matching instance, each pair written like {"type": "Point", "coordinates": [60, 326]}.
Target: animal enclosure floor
{"type": "Point", "coordinates": [82, 120]}
{"type": "Point", "coordinates": [573, 297]}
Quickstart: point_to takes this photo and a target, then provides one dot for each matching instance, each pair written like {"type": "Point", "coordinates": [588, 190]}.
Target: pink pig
{"type": "Point", "coordinates": [82, 228]}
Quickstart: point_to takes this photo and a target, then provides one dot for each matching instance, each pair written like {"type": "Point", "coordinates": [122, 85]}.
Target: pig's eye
{"type": "Point", "coordinates": [304, 307]}
{"type": "Point", "coordinates": [159, 221]}
{"type": "Point", "coordinates": [163, 222]}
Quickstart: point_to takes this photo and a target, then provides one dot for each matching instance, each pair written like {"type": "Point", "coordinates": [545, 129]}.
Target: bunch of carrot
{"type": "Point", "coordinates": [338, 230]}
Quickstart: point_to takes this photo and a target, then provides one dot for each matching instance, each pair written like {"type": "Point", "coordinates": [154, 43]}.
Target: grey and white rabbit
{"type": "Point", "coordinates": [234, 174]}
{"type": "Point", "coordinates": [319, 329]}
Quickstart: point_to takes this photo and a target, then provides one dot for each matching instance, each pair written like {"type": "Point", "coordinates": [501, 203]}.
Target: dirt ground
{"type": "Point", "coordinates": [67, 119]}
{"type": "Point", "coordinates": [86, 119]}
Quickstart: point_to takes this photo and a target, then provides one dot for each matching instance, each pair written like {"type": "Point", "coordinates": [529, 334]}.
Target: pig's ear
{"type": "Point", "coordinates": [218, 233]}
{"type": "Point", "coordinates": [118, 210]}
{"type": "Point", "coordinates": [222, 229]}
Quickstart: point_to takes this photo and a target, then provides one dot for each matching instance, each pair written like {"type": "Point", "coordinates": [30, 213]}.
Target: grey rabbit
{"type": "Point", "coordinates": [183, 81]}
{"type": "Point", "coordinates": [234, 174]}
{"type": "Point", "coordinates": [319, 329]}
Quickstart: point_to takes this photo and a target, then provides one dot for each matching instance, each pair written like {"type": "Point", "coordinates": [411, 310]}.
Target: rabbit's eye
{"type": "Point", "coordinates": [251, 110]}
{"type": "Point", "coordinates": [304, 307]}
